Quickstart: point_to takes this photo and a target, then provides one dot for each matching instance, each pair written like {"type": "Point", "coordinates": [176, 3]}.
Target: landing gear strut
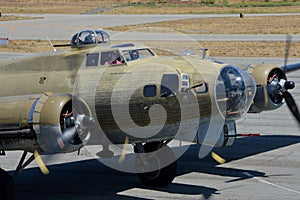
{"type": "Point", "coordinates": [21, 164]}
{"type": "Point", "coordinates": [158, 166]}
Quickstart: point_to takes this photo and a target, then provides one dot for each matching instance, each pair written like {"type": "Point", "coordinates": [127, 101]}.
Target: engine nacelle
{"type": "Point", "coordinates": [264, 74]}
{"type": "Point", "coordinates": [49, 123]}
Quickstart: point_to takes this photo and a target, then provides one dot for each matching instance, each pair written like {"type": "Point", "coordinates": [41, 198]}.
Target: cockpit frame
{"type": "Point", "coordinates": [118, 54]}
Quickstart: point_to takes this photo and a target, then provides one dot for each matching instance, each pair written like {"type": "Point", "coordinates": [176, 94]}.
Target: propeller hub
{"type": "Point", "coordinates": [289, 85]}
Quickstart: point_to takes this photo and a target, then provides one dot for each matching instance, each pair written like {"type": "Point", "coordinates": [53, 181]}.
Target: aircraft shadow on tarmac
{"type": "Point", "coordinates": [244, 147]}
{"type": "Point", "coordinates": [90, 179]}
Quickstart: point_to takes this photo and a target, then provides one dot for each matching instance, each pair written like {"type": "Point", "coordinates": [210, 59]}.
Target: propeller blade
{"type": "Point", "coordinates": [123, 154]}
{"type": "Point", "coordinates": [40, 163]}
{"type": "Point", "coordinates": [291, 67]}
{"type": "Point", "coordinates": [292, 105]}
{"type": "Point", "coordinates": [287, 49]}
{"type": "Point", "coordinates": [67, 136]}
{"type": "Point", "coordinates": [217, 158]}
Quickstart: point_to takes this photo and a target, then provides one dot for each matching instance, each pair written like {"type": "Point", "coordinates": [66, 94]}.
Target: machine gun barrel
{"type": "Point", "coordinates": [22, 134]}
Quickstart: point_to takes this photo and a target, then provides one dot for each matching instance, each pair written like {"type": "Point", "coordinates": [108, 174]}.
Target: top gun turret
{"type": "Point", "coordinates": [87, 39]}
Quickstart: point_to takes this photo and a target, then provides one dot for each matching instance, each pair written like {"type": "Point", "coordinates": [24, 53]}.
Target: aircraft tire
{"type": "Point", "coordinates": [161, 177]}
{"type": "Point", "coordinates": [7, 190]}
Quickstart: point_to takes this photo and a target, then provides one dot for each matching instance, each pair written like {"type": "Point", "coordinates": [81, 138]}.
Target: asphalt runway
{"type": "Point", "coordinates": [265, 167]}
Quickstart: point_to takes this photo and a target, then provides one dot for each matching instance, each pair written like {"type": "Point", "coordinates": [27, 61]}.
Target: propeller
{"type": "Point", "coordinates": [66, 137]}
{"type": "Point", "coordinates": [217, 158]}
{"type": "Point", "coordinates": [292, 105]}
{"type": "Point", "coordinates": [287, 49]}
{"type": "Point", "coordinates": [70, 135]}
{"type": "Point", "coordinates": [278, 86]}
{"type": "Point", "coordinates": [41, 163]}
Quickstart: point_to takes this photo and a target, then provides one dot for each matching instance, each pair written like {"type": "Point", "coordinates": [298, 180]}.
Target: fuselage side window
{"type": "Point", "coordinates": [169, 84]}
{"type": "Point", "coordinates": [150, 91]}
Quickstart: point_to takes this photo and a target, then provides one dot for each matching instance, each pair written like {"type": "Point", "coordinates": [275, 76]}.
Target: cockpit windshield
{"type": "Point", "coordinates": [135, 54]}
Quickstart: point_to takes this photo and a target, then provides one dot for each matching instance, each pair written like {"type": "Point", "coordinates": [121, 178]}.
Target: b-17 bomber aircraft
{"type": "Point", "coordinates": [115, 95]}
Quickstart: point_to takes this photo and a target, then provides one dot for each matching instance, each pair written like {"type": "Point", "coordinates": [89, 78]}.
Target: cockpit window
{"type": "Point", "coordinates": [111, 58]}
{"type": "Point", "coordinates": [135, 54]}
{"type": "Point", "coordinates": [92, 59]}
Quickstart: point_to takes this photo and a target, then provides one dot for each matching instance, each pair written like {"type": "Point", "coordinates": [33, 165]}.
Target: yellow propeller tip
{"type": "Point", "coordinates": [40, 163]}
{"type": "Point", "coordinates": [123, 153]}
{"type": "Point", "coordinates": [217, 158]}
{"type": "Point", "coordinates": [44, 170]}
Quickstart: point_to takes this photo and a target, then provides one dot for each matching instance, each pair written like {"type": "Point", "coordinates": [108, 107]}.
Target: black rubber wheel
{"type": "Point", "coordinates": [7, 188]}
{"type": "Point", "coordinates": [161, 176]}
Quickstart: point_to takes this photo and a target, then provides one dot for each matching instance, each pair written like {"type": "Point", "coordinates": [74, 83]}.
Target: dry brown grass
{"type": "Point", "coordinates": [200, 9]}
{"type": "Point", "coordinates": [43, 6]}
{"type": "Point", "coordinates": [141, 6]}
{"type": "Point", "coordinates": [11, 17]}
{"type": "Point", "coordinates": [216, 49]}
{"type": "Point", "coordinates": [30, 46]}
{"type": "Point", "coordinates": [232, 49]}
{"type": "Point", "coordinates": [251, 49]}
{"type": "Point", "coordinates": [228, 25]}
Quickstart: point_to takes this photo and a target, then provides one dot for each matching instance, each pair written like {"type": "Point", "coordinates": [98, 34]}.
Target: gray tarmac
{"type": "Point", "coordinates": [265, 167]}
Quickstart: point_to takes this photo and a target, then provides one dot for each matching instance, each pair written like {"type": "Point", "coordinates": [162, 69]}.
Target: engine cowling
{"type": "Point", "coordinates": [49, 123]}
{"type": "Point", "coordinates": [265, 76]}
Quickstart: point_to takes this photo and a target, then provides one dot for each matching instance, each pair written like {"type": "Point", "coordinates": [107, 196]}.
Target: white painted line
{"type": "Point", "coordinates": [269, 183]}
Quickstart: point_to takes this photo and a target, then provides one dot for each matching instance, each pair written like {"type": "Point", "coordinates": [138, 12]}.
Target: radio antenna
{"type": "Point", "coordinates": [51, 43]}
